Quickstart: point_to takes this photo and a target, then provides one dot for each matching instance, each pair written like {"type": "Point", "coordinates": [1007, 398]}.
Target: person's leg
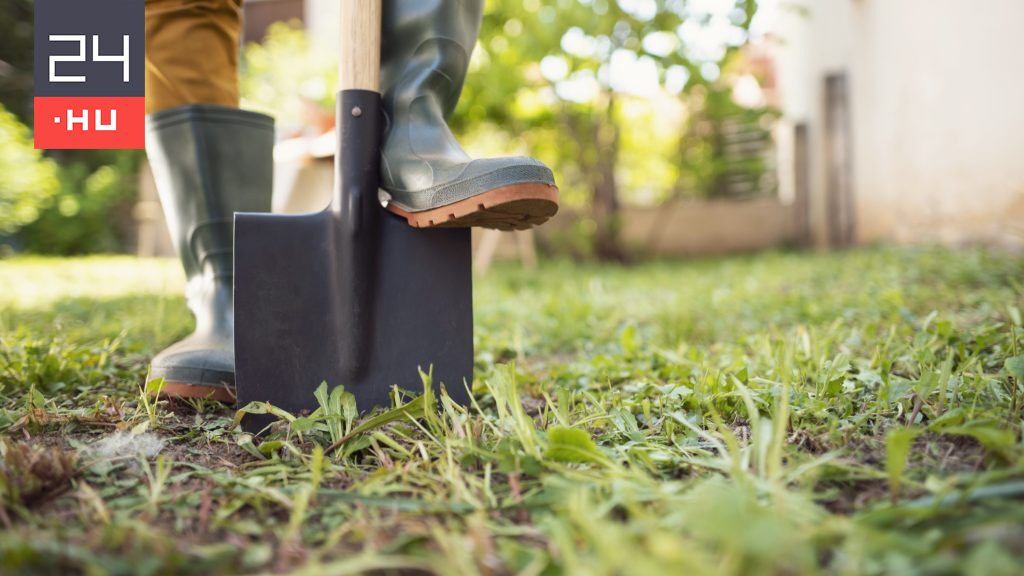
{"type": "Point", "coordinates": [192, 53]}
{"type": "Point", "coordinates": [210, 160]}
{"type": "Point", "coordinates": [426, 175]}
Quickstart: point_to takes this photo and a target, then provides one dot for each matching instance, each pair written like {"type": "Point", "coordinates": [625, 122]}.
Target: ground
{"type": "Point", "coordinates": [853, 413]}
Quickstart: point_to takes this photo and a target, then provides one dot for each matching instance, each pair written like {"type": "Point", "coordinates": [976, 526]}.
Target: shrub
{"type": "Point", "coordinates": [28, 181]}
{"type": "Point", "coordinates": [92, 211]}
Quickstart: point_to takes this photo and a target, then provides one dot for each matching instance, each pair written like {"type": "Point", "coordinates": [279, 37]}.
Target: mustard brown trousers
{"type": "Point", "coordinates": [192, 51]}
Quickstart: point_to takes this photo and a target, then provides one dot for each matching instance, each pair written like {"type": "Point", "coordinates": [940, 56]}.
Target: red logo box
{"type": "Point", "coordinates": [90, 122]}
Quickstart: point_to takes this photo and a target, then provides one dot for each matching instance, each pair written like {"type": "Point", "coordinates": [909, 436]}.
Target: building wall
{"type": "Point", "coordinates": [937, 100]}
{"type": "Point", "coordinates": [707, 227]}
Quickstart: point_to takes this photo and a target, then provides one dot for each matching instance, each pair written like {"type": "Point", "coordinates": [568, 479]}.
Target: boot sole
{"type": "Point", "coordinates": [186, 390]}
{"type": "Point", "coordinates": [187, 383]}
{"type": "Point", "coordinates": [516, 207]}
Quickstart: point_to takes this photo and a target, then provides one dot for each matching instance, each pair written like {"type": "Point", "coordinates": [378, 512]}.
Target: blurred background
{"type": "Point", "coordinates": [675, 127]}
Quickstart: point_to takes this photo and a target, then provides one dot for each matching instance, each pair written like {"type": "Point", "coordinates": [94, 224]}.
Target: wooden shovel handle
{"type": "Point", "coordinates": [359, 65]}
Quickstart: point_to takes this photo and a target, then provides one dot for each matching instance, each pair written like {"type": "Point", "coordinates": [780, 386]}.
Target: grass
{"type": "Point", "coordinates": [851, 413]}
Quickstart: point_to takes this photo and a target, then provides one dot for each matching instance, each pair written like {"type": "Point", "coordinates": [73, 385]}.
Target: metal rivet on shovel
{"type": "Point", "coordinates": [351, 295]}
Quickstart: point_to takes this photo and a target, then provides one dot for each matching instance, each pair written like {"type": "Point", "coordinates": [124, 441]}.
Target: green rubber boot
{"type": "Point", "coordinates": [209, 162]}
{"type": "Point", "coordinates": [425, 175]}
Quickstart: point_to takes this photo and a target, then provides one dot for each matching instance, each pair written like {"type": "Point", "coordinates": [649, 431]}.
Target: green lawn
{"type": "Point", "coordinates": [850, 413]}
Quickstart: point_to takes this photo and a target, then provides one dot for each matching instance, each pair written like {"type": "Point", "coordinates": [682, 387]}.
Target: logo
{"type": "Point", "coordinates": [89, 74]}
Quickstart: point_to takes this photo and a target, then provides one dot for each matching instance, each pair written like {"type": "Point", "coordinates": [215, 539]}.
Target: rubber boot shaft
{"type": "Point", "coordinates": [208, 162]}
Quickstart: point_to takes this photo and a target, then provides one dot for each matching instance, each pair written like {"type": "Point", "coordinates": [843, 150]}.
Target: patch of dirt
{"type": "Point", "coordinates": [851, 496]}
{"type": "Point", "coordinates": [932, 453]}
{"type": "Point", "coordinates": [947, 454]}
{"type": "Point", "coordinates": [816, 444]}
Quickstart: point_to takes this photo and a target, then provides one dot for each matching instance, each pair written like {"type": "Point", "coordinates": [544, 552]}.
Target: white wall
{"type": "Point", "coordinates": [937, 90]}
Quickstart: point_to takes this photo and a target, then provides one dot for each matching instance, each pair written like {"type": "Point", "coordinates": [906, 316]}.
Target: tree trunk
{"type": "Point", "coordinates": [607, 217]}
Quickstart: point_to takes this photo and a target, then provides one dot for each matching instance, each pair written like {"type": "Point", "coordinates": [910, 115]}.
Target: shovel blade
{"type": "Point", "coordinates": [414, 310]}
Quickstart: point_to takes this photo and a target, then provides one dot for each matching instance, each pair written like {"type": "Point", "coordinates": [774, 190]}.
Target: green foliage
{"type": "Point", "coordinates": [1015, 366]}
{"type": "Point", "coordinates": [898, 444]}
{"type": "Point", "coordinates": [92, 211]}
{"type": "Point", "coordinates": [54, 365]}
{"type": "Point", "coordinates": [707, 169]}
{"type": "Point", "coordinates": [555, 78]}
{"type": "Point", "coordinates": [571, 445]}
{"type": "Point", "coordinates": [287, 77]}
{"type": "Point", "coordinates": [28, 181]}
{"type": "Point", "coordinates": [332, 425]}
{"type": "Point", "coordinates": [16, 43]}
{"type": "Point", "coordinates": [338, 410]}
{"type": "Point", "coordinates": [849, 413]}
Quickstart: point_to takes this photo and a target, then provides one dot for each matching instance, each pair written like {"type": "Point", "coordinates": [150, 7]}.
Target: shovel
{"type": "Point", "coordinates": [351, 295]}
